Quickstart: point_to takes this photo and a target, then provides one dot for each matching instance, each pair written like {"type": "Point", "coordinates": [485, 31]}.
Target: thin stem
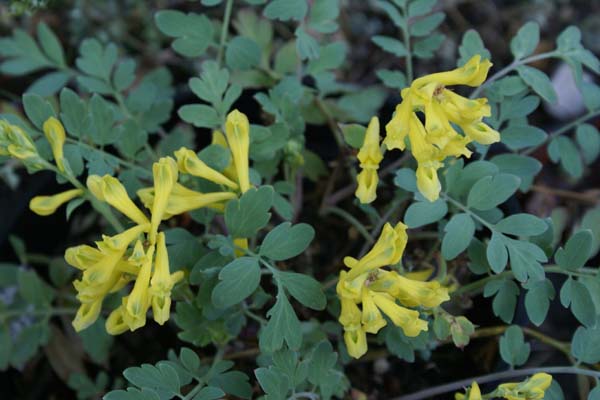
{"type": "Point", "coordinates": [497, 376]}
{"type": "Point", "coordinates": [350, 218]}
{"type": "Point", "coordinates": [509, 68]}
{"type": "Point", "coordinates": [224, 30]}
{"type": "Point", "coordinates": [467, 210]}
{"type": "Point", "coordinates": [255, 317]}
{"type": "Point", "coordinates": [563, 347]}
{"type": "Point", "coordinates": [563, 129]}
{"type": "Point", "coordinates": [49, 312]}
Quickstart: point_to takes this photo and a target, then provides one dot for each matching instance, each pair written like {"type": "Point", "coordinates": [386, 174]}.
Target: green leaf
{"type": "Point", "coordinates": [193, 32]}
{"type": "Point", "coordinates": [518, 137]}
{"type": "Point", "coordinates": [524, 167]}
{"type": "Point", "coordinates": [513, 349]}
{"type": "Point", "coordinates": [576, 252]}
{"type": "Point", "coordinates": [392, 13]}
{"type": "Point", "coordinates": [426, 47]}
{"type": "Point", "coordinates": [306, 45]}
{"type": "Point", "coordinates": [420, 7]}
{"type": "Point", "coordinates": [49, 84]}
{"type": "Point", "coordinates": [50, 44]}
{"type": "Point", "coordinates": [242, 53]}
{"type": "Point", "coordinates": [97, 60]}
{"type": "Point", "coordinates": [459, 232]}
{"type": "Point", "coordinates": [425, 26]}
{"type": "Point", "coordinates": [491, 191]}
{"type": "Point", "coordinates": [537, 300]}
{"type": "Point", "coordinates": [505, 301]}
{"type": "Point", "coordinates": [392, 79]}
{"type": "Point", "coordinates": [526, 40]}
{"type": "Point", "coordinates": [303, 288]}
{"type": "Point", "coordinates": [576, 295]}
{"type": "Point", "coordinates": [362, 105]}
{"type": "Point", "coordinates": [591, 221]}
{"type": "Point", "coordinates": [591, 96]}
{"type": "Point", "coordinates": [245, 216]}
{"type": "Point", "coordinates": [497, 254]}
{"type": "Point", "coordinates": [283, 326]}
{"type": "Point", "coordinates": [569, 39]}
{"type": "Point", "coordinates": [588, 139]}
{"type": "Point", "coordinates": [424, 213]}
{"type": "Point", "coordinates": [273, 382]}
{"type": "Point", "coordinates": [406, 179]}
{"type": "Point", "coordinates": [539, 82]}
{"type": "Point", "coordinates": [519, 107]}
{"type": "Point", "coordinates": [525, 258]}
{"type": "Point", "coordinates": [33, 289]}
{"type": "Point", "coordinates": [102, 118]}
{"type": "Point", "coordinates": [285, 10]}
{"type": "Point", "coordinates": [37, 109]}
{"type": "Point", "coordinates": [390, 45]}
{"type": "Point", "coordinates": [331, 56]}
{"type": "Point", "coordinates": [522, 225]}
{"type": "Point", "coordinates": [470, 46]}
{"type": "Point", "coordinates": [238, 280]}
{"type": "Point", "coordinates": [564, 150]}
{"type": "Point", "coordinates": [124, 74]}
{"type": "Point", "coordinates": [586, 345]}
{"type": "Point", "coordinates": [209, 393]}
{"type": "Point", "coordinates": [163, 378]}
{"type": "Point", "coordinates": [97, 342]}
{"type": "Point", "coordinates": [461, 330]}
{"type": "Point", "coordinates": [354, 134]}
{"type": "Point", "coordinates": [323, 15]}
{"type": "Point", "coordinates": [200, 115]}
{"type": "Point", "coordinates": [286, 241]}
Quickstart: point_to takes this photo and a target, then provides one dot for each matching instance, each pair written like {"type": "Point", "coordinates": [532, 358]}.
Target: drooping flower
{"type": "Point", "coordinates": [533, 388]}
{"type": "Point", "coordinates": [110, 190]}
{"type": "Point", "coordinates": [189, 163]}
{"type": "Point", "coordinates": [55, 133]}
{"type": "Point", "coordinates": [219, 139]}
{"type": "Point", "coordinates": [472, 393]}
{"type": "Point", "coordinates": [237, 131]}
{"type": "Point", "coordinates": [370, 156]}
{"type": "Point", "coordinates": [47, 205]}
{"type": "Point", "coordinates": [444, 110]}
{"type": "Point", "coordinates": [165, 176]}
{"type": "Point", "coordinates": [15, 142]}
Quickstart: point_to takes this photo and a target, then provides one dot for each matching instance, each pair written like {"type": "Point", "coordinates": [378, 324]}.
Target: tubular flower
{"type": "Point", "coordinates": [15, 142]}
{"type": "Point", "coordinates": [218, 138]}
{"type": "Point", "coordinates": [165, 176]}
{"type": "Point", "coordinates": [47, 205]}
{"type": "Point", "coordinates": [162, 282]}
{"type": "Point", "coordinates": [55, 133]}
{"type": "Point", "coordinates": [379, 291]}
{"type": "Point", "coordinates": [189, 163]}
{"type": "Point", "coordinates": [237, 131]}
{"type": "Point", "coordinates": [370, 156]}
{"type": "Point", "coordinates": [443, 109]}
{"type": "Point", "coordinates": [473, 393]}
{"type": "Point", "coordinates": [108, 189]}
{"type": "Point", "coordinates": [533, 388]}
{"type": "Point", "coordinates": [135, 306]}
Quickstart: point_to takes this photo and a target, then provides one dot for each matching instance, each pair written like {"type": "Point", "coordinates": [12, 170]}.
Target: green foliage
{"type": "Point", "coordinates": [513, 349]}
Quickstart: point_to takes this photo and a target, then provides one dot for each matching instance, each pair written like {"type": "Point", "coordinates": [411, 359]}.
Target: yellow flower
{"type": "Point", "coordinates": [473, 393]}
{"type": "Point", "coordinates": [135, 306]}
{"type": "Point", "coordinates": [370, 156]}
{"type": "Point", "coordinates": [110, 190]}
{"type": "Point", "coordinates": [87, 314]}
{"type": "Point", "coordinates": [355, 339]}
{"type": "Point", "coordinates": [165, 177]}
{"type": "Point", "coordinates": [372, 320]}
{"type": "Point", "coordinates": [473, 73]}
{"type": "Point", "coordinates": [162, 282]}
{"type": "Point", "coordinates": [241, 244]}
{"type": "Point", "coordinates": [387, 250]}
{"type": "Point", "coordinates": [428, 182]}
{"type": "Point", "coordinates": [533, 388]}
{"type": "Point", "coordinates": [237, 131]}
{"type": "Point", "coordinates": [397, 129]}
{"type": "Point", "coordinates": [189, 163]}
{"type": "Point", "coordinates": [115, 323]}
{"type": "Point", "coordinates": [218, 138]}
{"type": "Point", "coordinates": [403, 317]}
{"type": "Point", "coordinates": [55, 133]}
{"type": "Point", "coordinates": [410, 292]}
{"type": "Point", "coordinates": [46, 205]}
{"type": "Point", "coordinates": [480, 132]}
{"type": "Point", "coordinates": [15, 142]}
{"type": "Point", "coordinates": [183, 200]}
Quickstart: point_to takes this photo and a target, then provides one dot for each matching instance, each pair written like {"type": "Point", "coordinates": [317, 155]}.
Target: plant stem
{"type": "Point", "coordinates": [563, 347]}
{"type": "Point", "coordinates": [510, 67]}
{"type": "Point", "coordinates": [49, 312]}
{"type": "Point", "coordinates": [467, 210]}
{"type": "Point", "coordinates": [224, 30]}
{"type": "Point", "coordinates": [563, 129]}
{"type": "Point", "coordinates": [497, 376]}
{"type": "Point", "coordinates": [350, 218]}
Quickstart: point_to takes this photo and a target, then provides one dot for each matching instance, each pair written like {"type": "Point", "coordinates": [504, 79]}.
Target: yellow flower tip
{"type": "Point", "coordinates": [165, 176]}
{"type": "Point", "coordinates": [112, 191]}
{"type": "Point", "coordinates": [115, 324]}
{"type": "Point", "coordinates": [137, 303]}
{"type": "Point", "coordinates": [397, 129]}
{"type": "Point", "coordinates": [403, 317]}
{"type": "Point", "coordinates": [237, 131]}
{"type": "Point", "coordinates": [366, 191]}
{"type": "Point", "coordinates": [356, 341]}
{"type": "Point", "coordinates": [47, 205]}
{"type": "Point", "coordinates": [15, 142]}
{"type": "Point", "coordinates": [428, 182]}
{"type": "Point", "coordinates": [82, 256]}
{"type": "Point", "coordinates": [161, 309]}
{"type": "Point", "coordinates": [86, 315]}
{"type": "Point", "coordinates": [472, 393]}
{"type": "Point", "coordinates": [372, 320]}
{"type": "Point", "coordinates": [55, 133]}
{"type": "Point", "coordinates": [240, 244]}
{"type": "Point", "coordinates": [481, 132]}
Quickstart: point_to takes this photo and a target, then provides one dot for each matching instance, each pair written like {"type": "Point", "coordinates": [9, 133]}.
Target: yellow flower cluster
{"type": "Point", "coordinates": [378, 290]}
{"type": "Point", "coordinates": [370, 156]}
{"type": "Point", "coordinates": [16, 143]}
{"type": "Point", "coordinates": [533, 388]}
{"type": "Point", "coordinates": [435, 140]}
{"type": "Point", "coordinates": [139, 254]}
